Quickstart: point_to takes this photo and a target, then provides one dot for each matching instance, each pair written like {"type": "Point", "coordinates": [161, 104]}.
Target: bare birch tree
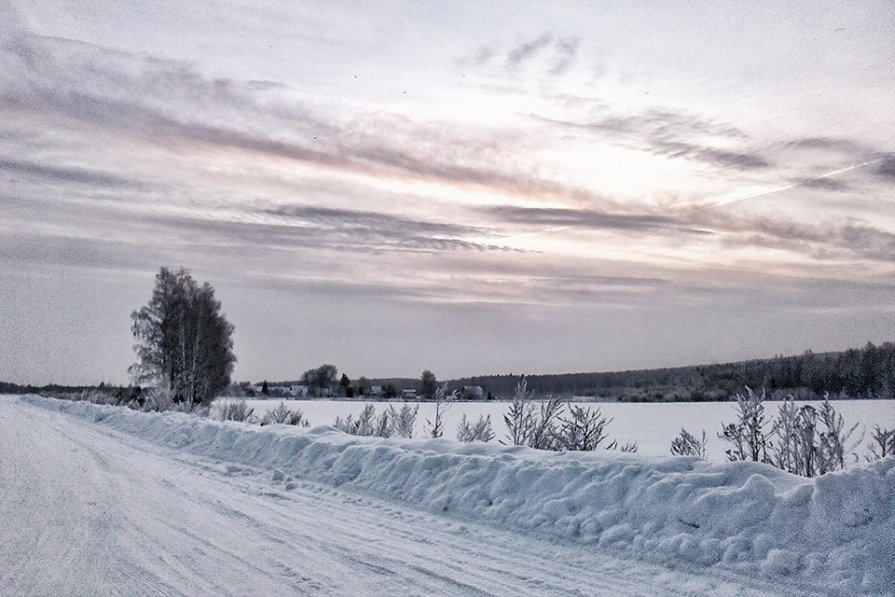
{"type": "Point", "coordinates": [182, 340]}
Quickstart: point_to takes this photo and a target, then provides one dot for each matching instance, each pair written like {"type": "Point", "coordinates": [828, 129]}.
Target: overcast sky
{"type": "Point", "coordinates": [468, 187]}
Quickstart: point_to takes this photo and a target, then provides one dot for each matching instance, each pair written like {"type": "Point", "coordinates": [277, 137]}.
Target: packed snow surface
{"type": "Point", "coordinates": [741, 523]}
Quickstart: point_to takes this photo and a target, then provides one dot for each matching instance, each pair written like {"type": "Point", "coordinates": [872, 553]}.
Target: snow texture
{"type": "Point", "coordinates": [835, 533]}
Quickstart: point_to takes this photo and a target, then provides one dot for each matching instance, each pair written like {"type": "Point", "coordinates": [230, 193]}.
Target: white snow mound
{"type": "Point", "coordinates": [836, 532]}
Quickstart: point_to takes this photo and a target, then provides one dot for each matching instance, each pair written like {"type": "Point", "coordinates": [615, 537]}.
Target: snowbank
{"type": "Point", "coordinates": [833, 533]}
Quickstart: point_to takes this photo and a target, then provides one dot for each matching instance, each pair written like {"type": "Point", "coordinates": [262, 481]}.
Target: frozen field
{"type": "Point", "coordinates": [651, 425]}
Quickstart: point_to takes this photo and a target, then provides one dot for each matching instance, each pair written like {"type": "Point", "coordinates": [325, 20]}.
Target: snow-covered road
{"type": "Point", "coordinates": [88, 510]}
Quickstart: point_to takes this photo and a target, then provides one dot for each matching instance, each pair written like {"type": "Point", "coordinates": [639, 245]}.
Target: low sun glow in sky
{"type": "Point", "coordinates": [470, 188]}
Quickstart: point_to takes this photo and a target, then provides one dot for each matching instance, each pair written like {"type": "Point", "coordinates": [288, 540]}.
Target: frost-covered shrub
{"type": "Point", "coordinates": [383, 425]}
{"type": "Point", "coordinates": [555, 425]}
{"type": "Point", "coordinates": [366, 421]}
{"type": "Point", "coordinates": [583, 430]}
{"type": "Point", "coordinates": [284, 416]}
{"type": "Point", "coordinates": [402, 422]}
{"type": "Point", "coordinates": [747, 435]}
{"type": "Point", "coordinates": [520, 418]}
{"type": "Point", "coordinates": [365, 424]}
{"type": "Point", "coordinates": [347, 425]}
{"type": "Point", "coordinates": [232, 410]}
{"type": "Point", "coordinates": [883, 444]}
{"type": "Point", "coordinates": [442, 404]}
{"type": "Point", "coordinates": [545, 431]}
{"type": "Point", "coordinates": [157, 399]}
{"type": "Point", "coordinates": [530, 427]}
{"type": "Point", "coordinates": [807, 441]}
{"type": "Point", "coordinates": [833, 443]}
{"type": "Point", "coordinates": [391, 422]}
{"type": "Point", "coordinates": [478, 431]}
{"type": "Point", "coordinates": [794, 428]}
{"type": "Point", "coordinates": [687, 444]}
{"type": "Point", "coordinates": [810, 441]}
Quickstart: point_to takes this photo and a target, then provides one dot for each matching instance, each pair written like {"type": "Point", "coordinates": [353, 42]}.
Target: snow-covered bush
{"type": "Point", "coordinates": [232, 410]}
{"type": "Point", "coordinates": [883, 444]}
{"type": "Point", "coordinates": [520, 418]}
{"type": "Point", "coordinates": [810, 441]}
{"type": "Point", "coordinates": [442, 404]}
{"type": "Point", "coordinates": [794, 428]}
{"type": "Point", "coordinates": [158, 398]}
{"type": "Point", "coordinates": [403, 422]}
{"type": "Point", "coordinates": [284, 416]}
{"type": "Point", "coordinates": [347, 425]}
{"type": "Point", "coordinates": [807, 441]}
{"type": "Point", "coordinates": [834, 442]}
{"type": "Point", "coordinates": [391, 422]}
{"type": "Point", "coordinates": [747, 435]}
{"type": "Point", "coordinates": [478, 431]}
{"type": "Point", "coordinates": [383, 425]}
{"type": "Point", "coordinates": [583, 430]}
{"type": "Point", "coordinates": [530, 427]}
{"type": "Point", "coordinates": [687, 444]}
{"type": "Point", "coordinates": [545, 432]}
{"type": "Point", "coordinates": [550, 428]}
{"type": "Point", "coordinates": [366, 421]}
{"type": "Point", "coordinates": [365, 424]}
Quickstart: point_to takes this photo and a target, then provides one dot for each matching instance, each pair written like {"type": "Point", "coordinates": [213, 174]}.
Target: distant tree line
{"type": "Point", "coordinates": [867, 372]}
{"type": "Point", "coordinates": [115, 394]}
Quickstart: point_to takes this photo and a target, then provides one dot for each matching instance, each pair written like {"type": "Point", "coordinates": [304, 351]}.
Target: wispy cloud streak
{"type": "Point", "coordinates": [69, 174]}
{"type": "Point", "coordinates": [170, 104]}
{"type": "Point", "coordinates": [667, 133]}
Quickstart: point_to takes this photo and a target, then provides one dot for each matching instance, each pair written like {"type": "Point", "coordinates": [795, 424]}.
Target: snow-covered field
{"type": "Point", "coordinates": [103, 500]}
{"type": "Point", "coordinates": [651, 425]}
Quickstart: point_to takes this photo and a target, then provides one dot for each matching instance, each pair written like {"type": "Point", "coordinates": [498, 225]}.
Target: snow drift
{"type": "Point", "coordinates": [833, 533]}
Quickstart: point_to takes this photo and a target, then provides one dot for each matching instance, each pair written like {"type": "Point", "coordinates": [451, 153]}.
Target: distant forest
{"type": "Point", "coordinates": [867, 372]}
